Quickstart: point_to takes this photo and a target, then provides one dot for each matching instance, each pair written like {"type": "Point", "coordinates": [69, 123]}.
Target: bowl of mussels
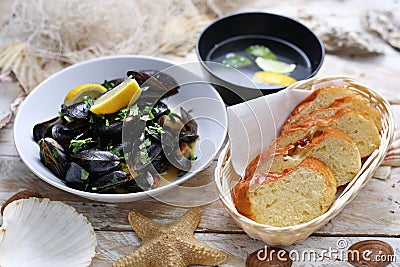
{"type": "Point", "coordinates": [120, 128]}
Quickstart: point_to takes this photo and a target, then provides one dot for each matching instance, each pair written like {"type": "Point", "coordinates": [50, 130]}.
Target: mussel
{"type": "Point", "coordinates": [43, 129]}
{"type": "Point", "coordinates": [53, 157]}
{"type": "Point", "coordinates": [190, 123]}
{"type": "Point", "coordinates": [77, 111]}
{"type": "Point", "coordinates": [141, 158]}
{"type": "Point", "coordinates": [76, 177]}
{"type": "Point", "coordinates": [146, 181]}
{"type": "Point", "coordinates": [112, 129]}
{"type": "Point", "coordinates": [93, 160]}
{"type": "Point", "coordinates": [155, 84]}
{"type": "Point", "coordinates": [108, 181]}
{"type": "Point", "coordinates": [177, 158]}
{"type": "Point", "coordinates": [64, 133]}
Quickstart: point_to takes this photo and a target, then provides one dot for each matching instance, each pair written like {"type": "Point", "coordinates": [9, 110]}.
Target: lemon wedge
{"type": "Point", "coordinates": [273, 78]}
{"type": "Point", "coordinates": [126, 92]}
{"type": "Point", "coordinates": [77, 94]}
{"type": "Point", "coordinates": [267, 64]}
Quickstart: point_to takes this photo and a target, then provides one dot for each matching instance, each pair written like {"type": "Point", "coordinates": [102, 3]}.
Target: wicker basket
{"type": "Point", "coordinates": [226, 177]}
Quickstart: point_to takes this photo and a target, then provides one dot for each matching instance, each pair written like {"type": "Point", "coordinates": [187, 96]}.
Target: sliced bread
{"type": "Point", "coordinates": [358, 103]}
{"type": "Point", "coordinates": [334, 148]}
{"type": "Point", "coordinates": [319, 99]}
{"type": "Point", "coordinates": [292, 197]}
{"type": "Point", "coordinates": [357, 125]}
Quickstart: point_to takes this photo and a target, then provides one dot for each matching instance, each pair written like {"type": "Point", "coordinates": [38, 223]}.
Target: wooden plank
{"type": "Point", "coordinates": [7, 147]}
{"type": "Point", "coordinates": [113, 245]}
{"type": "Point", "coordinates": [374, 212]}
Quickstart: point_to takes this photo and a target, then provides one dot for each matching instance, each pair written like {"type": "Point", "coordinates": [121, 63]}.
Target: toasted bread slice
{"type": "Point", "coordinates": [314, 115]}
{"type": "Point", "coordinates": [358, 103]}
{"type": "Point", "coordinates": [292, 197]}
{"type": "Point", "coordinates": [319, 99]}
{"type": "Point", "coordinates": [357, 125]}
{"type": "Point", "coordinates": [334, 148]}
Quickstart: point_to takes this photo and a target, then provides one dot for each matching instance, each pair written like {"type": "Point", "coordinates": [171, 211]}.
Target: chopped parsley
{"type": "Point", "coordinates": [88, 101]}
{"type": "Point", "coordinates": [143, 156]}
{"type": "Point", "coordinates": [84, 175]}
{"type": "Point", "coordinates": [146, 143]}
{"type": "Point", "coordinates": [77, 144]}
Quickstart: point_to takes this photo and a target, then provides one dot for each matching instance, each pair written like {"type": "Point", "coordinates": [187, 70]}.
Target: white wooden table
{"type": "Point", "coordinates": [373, 214]}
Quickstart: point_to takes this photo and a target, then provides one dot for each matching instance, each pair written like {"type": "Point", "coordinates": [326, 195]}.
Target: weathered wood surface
{"type": "Point", "coordinates": [373, 214]}
{"type": "Point", "coordinates": [113, 245]}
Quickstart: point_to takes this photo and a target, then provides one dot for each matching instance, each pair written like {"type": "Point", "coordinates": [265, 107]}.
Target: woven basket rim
{"type": "Point", "coordinates": [351, 190]}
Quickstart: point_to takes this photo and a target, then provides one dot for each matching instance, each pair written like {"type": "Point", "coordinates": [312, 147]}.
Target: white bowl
{"type": "Point", "coordinates": [45, 101]}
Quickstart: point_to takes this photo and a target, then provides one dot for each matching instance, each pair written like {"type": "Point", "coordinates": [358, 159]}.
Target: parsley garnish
{"type": "Point", "coordinates": [55, 153]}
{"type": "Point", "coordinates": [146, 114]}
{"type": "Point", "coordinates": [146, 143]}
{"type": "Point", "coordinates": [84, 175]}
{"type": "Point", "coordinates": [77, 145]}
{"type": "Point", "coordinates": [88, 101]}
{"type": "Point", "coordinates": [144, 157]}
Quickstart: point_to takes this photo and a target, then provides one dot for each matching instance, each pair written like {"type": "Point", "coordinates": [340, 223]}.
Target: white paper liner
{"type": "Point", "coordinates": [252, 125]}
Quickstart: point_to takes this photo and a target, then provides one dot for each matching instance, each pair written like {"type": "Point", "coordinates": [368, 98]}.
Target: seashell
{"type": "Point", "coordinates": [383, 172]}
{"type": "Point", "coordinates": [268, 257]}
{"type": "Point", "coordinates": [12, 94]}
{"type": "Point", "coordinates": [20, 59]}
{"type": "Point", "coordinates": [338, 40]}
{"type": "Point", "coordinates": [384, 24]}
{"type": "Point", "coordinates": [25, 194]}
{"type": "Point", "coordinates": [45, 233]}
{"type": "Point", "coordinates": [392, 158]}
{"type": "Point", "coordinates": [370, 253]}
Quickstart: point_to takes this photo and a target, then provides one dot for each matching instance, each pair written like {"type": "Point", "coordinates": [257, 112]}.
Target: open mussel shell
{"type": "Point", "coordinates": [155, 84]}
{"type": "Point", "coordinates": [43, 233]}
{"type": "Point", "coordinates": [52, 155]}
{"type": "Point", "coordinates": [44, 129]}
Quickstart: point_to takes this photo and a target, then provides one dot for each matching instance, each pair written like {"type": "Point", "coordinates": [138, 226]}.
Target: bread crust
{"type": "Point", "coordinates": [276, 156]}
{"type": "Point", "coordinates": [241, 192]}
{"type": "Point", "coordinates": [311, 128]}
{"type": "Point", "coordinates": [340, 90]}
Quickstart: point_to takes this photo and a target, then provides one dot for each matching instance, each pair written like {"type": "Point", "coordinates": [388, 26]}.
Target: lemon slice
{"type": "Point", "coordinates": [88, 89]}
{"type": "Point", "coordinates": [267, 64]}
{"type": "Point", "coordinates": [126, 92]}
{"type": "Point", "coordinates": [273, 78]}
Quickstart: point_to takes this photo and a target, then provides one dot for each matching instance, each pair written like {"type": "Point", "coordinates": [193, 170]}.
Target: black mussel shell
{"type": "Point", "coordinates": [190, 123]}
{"type": "Point", "coordinates": [166, 79]}
{"type": "Point", "coordinates": [93, 160]}
{"type": "Point", "coordinates": [77, 111]}
{"type": "Point", "coordinates": [108, 181]}
{"type": "Point", "coordinates": [112, 129]}
{"type": "Point", "coordinates": [53, 157]}
{"type": "Point", "coordinates": [43, 129]}
{"type": "Point", "coordinates": [138, 160]}
{"type": "Point", "coordinates": [160, 109]}
{"type": "Point", "coordinates": [77, 177]}
{"type": "Point", "coordinates": [145, 181]}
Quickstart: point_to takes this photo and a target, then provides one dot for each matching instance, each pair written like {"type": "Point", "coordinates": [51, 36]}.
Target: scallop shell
{"type": "Point", "coordinates": [20, 59]}
{"type": "Point", "coordinates": [12, 94]}
{"type": "Point", "coordinates": [45, 233]}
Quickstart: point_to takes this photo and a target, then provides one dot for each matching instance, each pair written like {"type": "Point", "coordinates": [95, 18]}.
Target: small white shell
{"type": "Point", "coordinates": [40, 232]}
